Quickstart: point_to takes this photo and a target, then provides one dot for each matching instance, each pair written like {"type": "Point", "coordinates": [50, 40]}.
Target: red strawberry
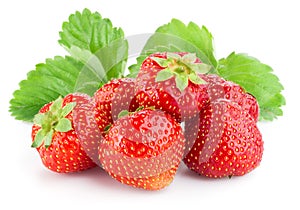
{"type": "Point", "coordinates": [55, 139]}
{"type": "Point", "coordinates": [112, 98]}
{"type": "Point", "coordinates": [226, 143]}
{"type": "Point", "coordinates": [143, 149]}
{"type": "Point", "coordinates": [171, 82]}
{"type": "Point", "coordinates": [218, 88]}
{"type": "Point", "coordinates": [86, 127]}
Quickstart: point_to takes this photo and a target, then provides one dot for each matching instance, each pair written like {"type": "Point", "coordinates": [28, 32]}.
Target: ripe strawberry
{"type": "Point", "coordinates": [171, 82]}
{"type": "Point", "coordinates": [55, 139]}
{"type": "Point", "coordinates": [112, 98]}
{"type": "Point", "coordinates": [86, 127]}
{"type": "Point", "coordinates": [218, 88]}
{"type": "Point", "coordinates": [143, 149]}
{"type": "Point", "coordinates": [227, 141]}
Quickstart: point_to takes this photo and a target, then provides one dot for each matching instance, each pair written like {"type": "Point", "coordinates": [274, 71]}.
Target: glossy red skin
{"type": "Point", "coordinates": [227, 141]}
{"type": "Point", "coordinates": [165, 95]}
{"type": "Point", "coordinates": [143, 149]}
{"type": "Point", "coordinates": [112, 98]}
{"type": "Point", "coordinates": [65, 154]}
{"type": "Point", "coordinates": [87, 129]}
{"type": "Point", "coordinates": [218, 88]}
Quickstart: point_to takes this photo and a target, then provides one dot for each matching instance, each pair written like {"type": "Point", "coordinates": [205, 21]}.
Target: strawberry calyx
{"type": "Point", "coordinates": [51, 121]}
{"type": "Point", "coordinates": [124, 113]}
{"type": "Point", "coordinates": [184, 68]}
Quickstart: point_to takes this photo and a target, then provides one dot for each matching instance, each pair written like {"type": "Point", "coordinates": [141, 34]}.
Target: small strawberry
{"type": "Point", "coordinates": [171, 82]}
{"type": "Point", "coordinates": [143, 149]}
{"type": "Point", "coordinates": [55, 139]}
{"type": "Point", "coordinates": [218, 88]}
{"type": "Point", "coordinates": [112, 98]}
{"type": "Point", "coordinates": [227, 141]}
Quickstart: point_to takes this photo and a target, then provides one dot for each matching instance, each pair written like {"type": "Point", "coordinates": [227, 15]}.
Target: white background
{"type": "Point", "coordinates": [268, 30]}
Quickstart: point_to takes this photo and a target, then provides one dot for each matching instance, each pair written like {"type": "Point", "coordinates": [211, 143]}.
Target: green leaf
{"type": "Point", "coordinates": [63, 125]}
{"type": "Point", "coordinates": [56, 77]}
{"type": "Point", "coordinates": [201, 38]}
{"type": "Point", "coordinates": [101, 47]}
{"type": "Point", "coordinates": [178, 37]}
{"type": "Point", "coordinates": [164, 75]}
{"type": "Point", "coordinates": [99, 53]}
{"type": "Point", "coordinates": [88, 31]}
{"type": "Point", "coordinates": [257, 79]}
{"type": "Point", "coordinates": [135, 68]}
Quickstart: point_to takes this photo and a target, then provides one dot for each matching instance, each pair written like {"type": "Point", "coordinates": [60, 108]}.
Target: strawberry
{"type": "Point", "coordinates": [112, 98]}
{"type": "Point", "coordinates": [171, 82]}
{"type": "Point", "coordinates": [225, 142]}
{"type": "Point", "coordinates": [55, 139]}
{"type": "Point", "coordinates": [143, 149]}
{"type": "Point", "coordinates": [86, 127]}
{"type": "Point", "coordinates": [218, 88]}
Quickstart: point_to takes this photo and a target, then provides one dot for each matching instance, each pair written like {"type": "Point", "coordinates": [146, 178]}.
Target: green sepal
{"type": "Point", "coordinates": [38, 139]}
{"type": "Point", "coordinates": [175, 56]}
{"type": "Point", "coordinates": [161, 61]}
{"type": "Point", "coordinates": [140, 108]}
{"type": "Point", "coordinates": [52, 121]}
{"type": "Point", "coordinates": [106, 129]}
{"type": "Point", "coordinates": [181, 82]}
{"type": "Point", "coordinates": [63, 125]}
{"type": "Point", "coordinates": [67, 109]}
{"type": "Point", "coordinates": [200, 68]}
{"type": "Point", "coordinates": [38, 119]}
{"type": "Point", "coordinates": [56, 105]}
{"type": "Point", "coordinates": [123, 113]}
{"type": "Point", "coordinates": [41, 137]}
{"type": "Point", "coordinates": [48, 138]}
{"type": "Point", "coordinates": [194, 78]}
{"type": "Point", "coordinates": [164, 75]}
{"type": "Point", "coordinates": [189, 57]}
{"type": "Point", "coordinates": [183, 68]}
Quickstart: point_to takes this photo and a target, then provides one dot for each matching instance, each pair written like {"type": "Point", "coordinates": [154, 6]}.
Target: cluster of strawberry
{"type": "Point", "coordinates": [139, 130]}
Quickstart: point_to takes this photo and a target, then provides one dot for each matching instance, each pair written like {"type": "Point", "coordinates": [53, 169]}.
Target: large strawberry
{"type": "Point", "coordinates": [112, 98]}
{"type": "Point", "coordinates": [171, 82]}
{"type": "Point", "coordinates": [54, 136]}
{"type": "Point", "coordinates": [143, 149]}
{"type": "Point", "coordinates": [226, 141]}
